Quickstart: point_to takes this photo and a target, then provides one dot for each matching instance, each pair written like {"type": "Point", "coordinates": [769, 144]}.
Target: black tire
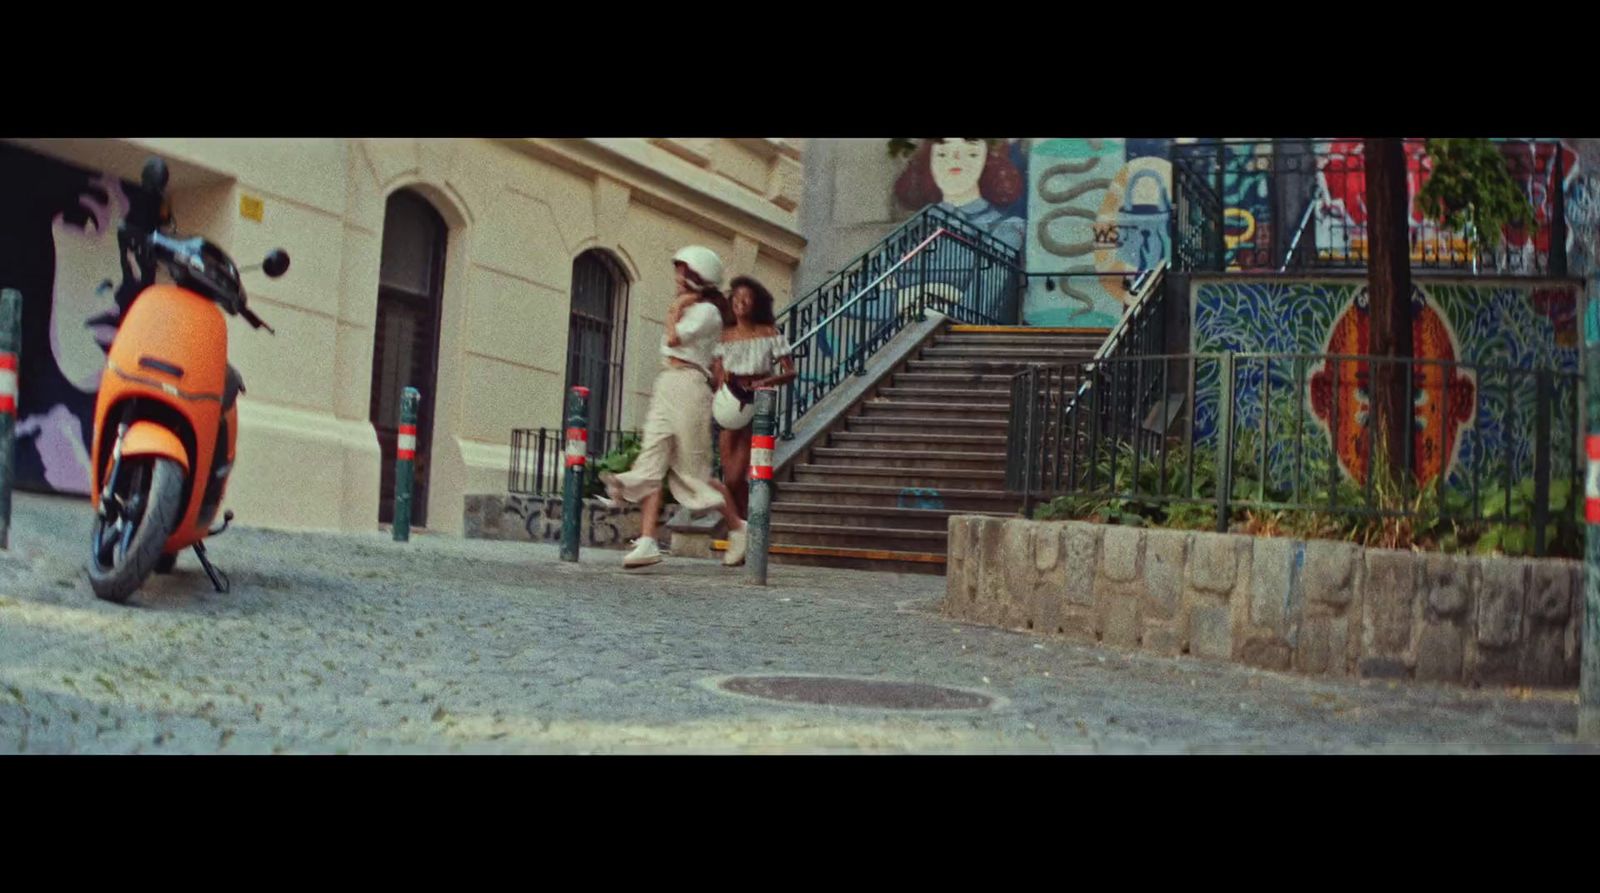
{"type": "Point", "coordinates": [165, 563]}
{"type": "Point", "coordinates": [123, 552]}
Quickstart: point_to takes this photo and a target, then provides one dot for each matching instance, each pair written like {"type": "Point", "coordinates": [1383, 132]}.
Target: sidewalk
{"type": "Point", "coordinates": [353, 643]}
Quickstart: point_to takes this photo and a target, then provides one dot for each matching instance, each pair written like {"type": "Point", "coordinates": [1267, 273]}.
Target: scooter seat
{"type": "Point", "coordinates": [233, 386]}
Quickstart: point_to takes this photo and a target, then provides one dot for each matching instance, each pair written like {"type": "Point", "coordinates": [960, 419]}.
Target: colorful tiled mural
{"type": "Point", "coordinates": [1469, 419]}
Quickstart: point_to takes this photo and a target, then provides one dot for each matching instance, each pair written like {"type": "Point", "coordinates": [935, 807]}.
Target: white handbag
{"type": "Point", "coordinates": [731, 415]}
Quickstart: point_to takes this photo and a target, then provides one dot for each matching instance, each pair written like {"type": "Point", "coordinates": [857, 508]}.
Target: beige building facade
{"type": "Point", "coordinates": [517, 214]}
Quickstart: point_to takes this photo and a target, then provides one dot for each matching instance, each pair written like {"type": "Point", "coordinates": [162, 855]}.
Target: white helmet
{"type": "Point", "coordinates": [731, 415]}
{"type": "Point", "coordinates": [703, 261]}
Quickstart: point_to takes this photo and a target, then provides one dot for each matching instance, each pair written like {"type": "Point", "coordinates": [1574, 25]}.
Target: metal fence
{"type": "Point", "coordinates": [1271, 432]}
{"type": "Point", "coordinates": [538, 457]}
{"type": "Point", "coordinates": [1301, 205]}
{"type": "Point", "coordinates": [935, 262]}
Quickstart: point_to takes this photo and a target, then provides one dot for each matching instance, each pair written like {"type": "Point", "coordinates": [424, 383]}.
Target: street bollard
{"type": "Point", "coordinates": [405, 459]}
{"type": "Point", "coordinates": [577, 463]}
{"type": "Point", "coordinates": [1589, 641]}
{"type": "Point", "coordinates": [760, 520]}
{"type": "Point", "coordinates": [10, 346]}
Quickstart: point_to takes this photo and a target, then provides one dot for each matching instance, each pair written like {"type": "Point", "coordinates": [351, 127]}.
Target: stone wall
{"type": "Point", "coordinates": [538, 519]}
{"type": "Point", "coordinates": [1320, 607]}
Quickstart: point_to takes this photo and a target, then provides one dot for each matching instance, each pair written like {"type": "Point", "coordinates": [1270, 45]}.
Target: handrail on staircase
{"type": "Point", "coordinates": [1140, 328]}
{"type": "Point", "coordinates": [1148, 288]}
{"type": "Point", "coordinates": [931, 215]}
{"type": "Point", "coordinates": [960, 271]}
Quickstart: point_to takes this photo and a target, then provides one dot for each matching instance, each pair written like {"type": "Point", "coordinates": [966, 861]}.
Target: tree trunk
{"type": "Point", "coordinates": [1389, 299]}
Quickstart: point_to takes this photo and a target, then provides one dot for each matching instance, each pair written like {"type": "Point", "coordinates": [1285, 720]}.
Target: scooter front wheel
{"type": "Point", "coordinates": [127, 540]}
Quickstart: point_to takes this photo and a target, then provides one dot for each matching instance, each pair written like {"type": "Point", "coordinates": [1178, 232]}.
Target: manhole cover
{"type": "Point", "coordinates": [839, 691]}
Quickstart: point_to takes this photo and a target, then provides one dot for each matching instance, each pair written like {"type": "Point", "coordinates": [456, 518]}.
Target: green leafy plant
{"type": "Point", "coordinates": [1471, 190]}
{"type": "Point", "coordinates": [620, 459]}
{"type": "Point", "coordinates": [1405, 516]}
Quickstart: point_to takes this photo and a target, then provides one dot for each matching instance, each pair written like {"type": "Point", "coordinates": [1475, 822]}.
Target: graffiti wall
{"type": "Point", "coordinates": [1098, 214]}
{"type": "Point", "coordinates": [58, 246]}
{"type": "Point", "coordinates": [1469, 422]}
{"type": "Point", "coordinates": [1583, 207]}
{"type": "Point", "coordinates": [984, 183]}
{"type": "Point", "coordinates": [1338, 224]}
{"type": "Point", "coordinates": [980, 182]}
{"type": "Point", "coordinates": [538, 518]}
{"type": "Point", "coordinates": [1247, 222]}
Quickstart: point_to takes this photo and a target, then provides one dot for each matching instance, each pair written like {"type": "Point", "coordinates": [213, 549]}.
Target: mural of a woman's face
{"type": "Point", "coordinates": [957, 165]}
{"type": "Point", "coordinates": [84, 311]}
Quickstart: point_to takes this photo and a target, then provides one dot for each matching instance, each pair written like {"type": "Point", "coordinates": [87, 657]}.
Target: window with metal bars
{"type": "Point", "coordinates": [406, 332]}
{"type": "Point", "coordinates": [597, 334]}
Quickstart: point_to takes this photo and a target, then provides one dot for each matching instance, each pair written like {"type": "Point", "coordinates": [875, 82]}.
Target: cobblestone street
{"type": "Point", "coordinates": [353, 643]}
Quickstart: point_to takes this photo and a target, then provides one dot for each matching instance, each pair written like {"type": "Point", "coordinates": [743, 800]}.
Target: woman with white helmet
{"type": "Point", "coordinates": [677, 431]}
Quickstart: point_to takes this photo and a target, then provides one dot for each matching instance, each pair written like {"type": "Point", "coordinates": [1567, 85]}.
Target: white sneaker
{"type": "Point", "coordinates": [645, 553]}
{"type": "Point", "coordinates": [738, 542]}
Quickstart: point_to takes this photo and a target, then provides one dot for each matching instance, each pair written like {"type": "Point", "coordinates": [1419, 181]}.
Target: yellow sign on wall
{"type": "Point", "coordinates": [250, 207]}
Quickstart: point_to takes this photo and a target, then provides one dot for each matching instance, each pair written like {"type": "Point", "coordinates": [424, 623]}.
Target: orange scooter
{"type": "Point", "coordinates": [165, 423]}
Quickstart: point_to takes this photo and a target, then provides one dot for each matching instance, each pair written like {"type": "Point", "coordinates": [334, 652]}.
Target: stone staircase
{"type": "Point", "coordinates": [926, 441]}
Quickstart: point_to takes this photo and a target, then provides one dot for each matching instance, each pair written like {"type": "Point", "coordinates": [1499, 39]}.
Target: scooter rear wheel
{"type": "Point", "coordinates": [126, 544]}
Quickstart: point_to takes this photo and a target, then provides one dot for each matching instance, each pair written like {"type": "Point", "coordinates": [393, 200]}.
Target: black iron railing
{"type": "Point", "coordinates": [1494, 445]}
{"type": "Point", "coordinates": [1140, 332]}
{"type": "Point", "coordinates": [937, 261]}
{"type": "Point", "coordinates": [538, 457]}
{"type": "Point", "coordinates": [1301, 205]}
{"type": "Point", "coordinates": [843, 286]}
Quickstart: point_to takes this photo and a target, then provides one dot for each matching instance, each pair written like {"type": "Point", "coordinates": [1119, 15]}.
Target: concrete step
{"type": "Point", "coordinates": [958, 499]}
{"type": "Point", "coordinates": [971, 366]}
{"type": "Point", "coordinates": [925, 394]}
{"type": "Point", "coordinates": [974, 380]}
{"type": "Point", "coordinates": [889, 476]}
{"type": "Point", "coordinates": [867, 515]}
{"type": "Point", "coordinates": [1008, 354]}
{"type": "Point", "coordinates": [956, 443]}
{"type": "Point", "coordinates": [919, 425]}
{"type": "Point", "coordinates": [954, 338]}
{"type": "Point", "coordinates": [893, 539]}
{"type": "Point", "coordinates": [908, 458]}
{"type": "Point", "coordinates": [943, 409]}
{"type": "Point", "coordinates": [1005, 331]}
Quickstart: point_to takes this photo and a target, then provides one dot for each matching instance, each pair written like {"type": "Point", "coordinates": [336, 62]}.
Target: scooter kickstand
{"type": "Point", "coordinates": [218, 578]}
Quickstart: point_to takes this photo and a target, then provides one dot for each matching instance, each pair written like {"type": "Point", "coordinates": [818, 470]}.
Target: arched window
{"type": "Point", "coordinates": [406, 353]}
{"type": "Point", "coordinates": [597, 332]}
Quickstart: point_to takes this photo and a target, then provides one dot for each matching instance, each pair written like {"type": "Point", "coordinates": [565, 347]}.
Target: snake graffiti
{"type": "Point", "coordinates": [1098, 214]}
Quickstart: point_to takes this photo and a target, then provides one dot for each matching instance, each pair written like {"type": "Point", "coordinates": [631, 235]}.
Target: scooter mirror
{"type": "Point", "coordinates": [276, 264]}
{"type": "Point", "coordinates": [154, 177]}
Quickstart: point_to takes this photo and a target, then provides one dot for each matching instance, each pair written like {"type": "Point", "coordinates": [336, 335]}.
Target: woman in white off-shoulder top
{"type": "Point", "coordinates": [752, 354]}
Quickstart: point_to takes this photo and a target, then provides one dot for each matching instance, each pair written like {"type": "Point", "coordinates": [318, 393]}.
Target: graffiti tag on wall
{"type": "Point", "coordinates": [1099, 214]}
{"type": "Point", "coordinates": [603, 526]}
